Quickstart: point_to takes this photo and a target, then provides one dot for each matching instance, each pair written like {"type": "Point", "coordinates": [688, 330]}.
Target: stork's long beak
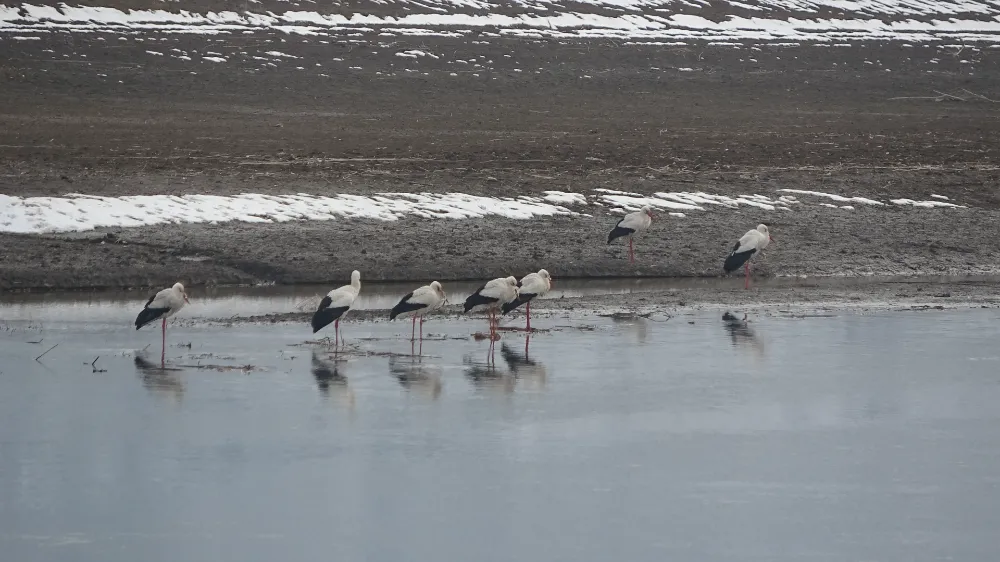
{"type": "Point", "coordinates": [186, 299]}
{"type": "Point", "coordinates": [769, 238]}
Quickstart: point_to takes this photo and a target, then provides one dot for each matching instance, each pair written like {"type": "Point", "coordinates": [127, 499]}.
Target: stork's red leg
{"type": "Point", "coordinates": [631, 252]}
{"type": "Point", "coordinates": [421, 330]}
{"type": "Point", "coordinates": [413, 329]}
{"type": "Point", "coordinates": [528, 327]}
{"type": "Point", "coordinates": [746, 275]}
{"type": "Point", "coordinates": [163, 346]}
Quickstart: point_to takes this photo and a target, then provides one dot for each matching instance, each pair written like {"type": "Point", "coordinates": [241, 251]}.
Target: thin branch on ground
{"type": "Point", "coordinates": [46, 351]}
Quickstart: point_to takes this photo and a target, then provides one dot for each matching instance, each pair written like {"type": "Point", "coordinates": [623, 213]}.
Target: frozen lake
{"type": "Point", "coordinates": [849, 437]}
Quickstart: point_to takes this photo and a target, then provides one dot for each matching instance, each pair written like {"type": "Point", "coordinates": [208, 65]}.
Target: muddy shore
{"type": "Point", "coordinates": [861, 242]}
{"type": "Point", "coordinates": [803, 298]}
{"type": "Point", "coordinates": [723, 120]}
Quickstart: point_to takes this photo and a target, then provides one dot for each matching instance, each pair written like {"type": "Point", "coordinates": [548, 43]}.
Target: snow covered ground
{"type": "Point", "coordinates": [642, 20]}
{"type": "Point", "coordinates": [29, 215]}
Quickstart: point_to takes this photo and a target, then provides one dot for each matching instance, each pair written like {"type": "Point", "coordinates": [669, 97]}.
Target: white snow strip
{"type": "Point", "coordinates": [415, 53]}
{"type": "Point", "coordinates": [563, 198]}
{"type": "Point", "coordinates": [925, 204]}
{"type": "Point", "coordinates": [936, 196]}
{"type": "Point", "coordinates": [77, 212]}
{"type": "Point", "coordinates": [835, 197]}
{"type": "Point", "coordinates": [865, 20]}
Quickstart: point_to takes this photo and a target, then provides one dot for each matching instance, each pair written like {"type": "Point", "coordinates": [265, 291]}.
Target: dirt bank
{"type": "Point", "coordinates": [892, 241]}
{"type": "Point", "coordinates": [99, 115]}
{"type": "Point", "coordinates": [799, 298]}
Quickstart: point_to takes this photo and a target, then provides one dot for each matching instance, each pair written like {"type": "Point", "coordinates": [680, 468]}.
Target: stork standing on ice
{"type": "Point", "coordinates": [491, 297]}
{"type": "Point", "coordinates": [751, 243]}
{"type": "Point", "coordinates": [532, 285]}
{"type": "Point", "coordinates": [418, 303]}
{"type": "Point", "coordinates": [631, 224]}
{"type": "Point", "coordinates": [163, 304]}
{"type": "Point", "coordinates": [335, 305]}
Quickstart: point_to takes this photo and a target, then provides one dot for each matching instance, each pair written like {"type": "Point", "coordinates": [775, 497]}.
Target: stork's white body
{"type": "Point", "coordinates": [344, 296]}
{"type": "Point", "coordinates": [501, 291]}
{"type": "Point", "coordinates": [630, 225]}
{"type": "Point", "coordinates": [532, 285]}
{"type": "Point", "coordinates": [752, 240]}
{"type": "Point", "coordinates": [750, 244]}
{"type": "Point", "coordinates": [537, 284]}
{"type": "Point", "coordinates": [161, 306]}
{"type": "Point", "coordinates": [490, 297]}
{"type": "Point", "coordinates": [420, 302]}
{"type": "Point", "coordinates": [335, 306]}
{"type": "Point", "coordinates": [638, 221]}
{"type": "Point", "coordinates": [172, 299]}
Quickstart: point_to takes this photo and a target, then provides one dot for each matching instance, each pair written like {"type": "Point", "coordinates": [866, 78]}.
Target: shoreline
{"type": "Point", "coordinates": [622, 301]}
{"type": "Point", "coordinates": [861, 243]}
{"type": "Point", "coordinates": [805, 301]}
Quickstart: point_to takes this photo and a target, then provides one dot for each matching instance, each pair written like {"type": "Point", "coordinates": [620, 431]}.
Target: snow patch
{"type": "Point", "coordinates": [866, 20]}
{"type": "Point", "coordinates": [413, 53]}
{"type": "Point", "coordinates": [564, 198]}
{"type": "Point", "coordinates": [78, 212]}
{"type": "Point", "coordinates": [835, 197]}
{"type": "Point", "coordinates": [925, 204]}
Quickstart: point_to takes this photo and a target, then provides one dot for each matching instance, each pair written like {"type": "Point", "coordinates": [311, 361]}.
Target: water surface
{"type": "Point", "coordinates": [839, 438]}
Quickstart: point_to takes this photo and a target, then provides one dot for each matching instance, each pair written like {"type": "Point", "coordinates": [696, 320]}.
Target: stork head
{"type": "Point", "coordinates": [438, 288]}
{"type": "Point", "coordinates": [355, 277]}
{"type": "Point", "coordinates": [762, 228]}
{"type": "Point", "coordinates": [179, 289]}
{"type": "Point", "coordinates": [649, 212]}
{"type": "Point", "coordinates": [544, 274]}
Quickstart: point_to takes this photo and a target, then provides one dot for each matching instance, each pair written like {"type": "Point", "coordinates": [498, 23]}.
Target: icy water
{"type": "Point", "coordinates": [850, 437]}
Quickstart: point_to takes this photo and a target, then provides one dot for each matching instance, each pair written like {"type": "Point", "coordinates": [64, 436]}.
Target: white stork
{"type": "Point", "coordinates": [631, 224]}
{"type": "Point", "coordinates": [335, 305]}
{"type": "Point", "coordinates": [491, 297]}
{"type": "Point", "coordinates": [163, 304]}
{"type": "Point", "coordinates": [418, 303]}
{"type": "Point", "coordinates": [532, 285]}
{"type": "Point", "coordinates": [752, 242]}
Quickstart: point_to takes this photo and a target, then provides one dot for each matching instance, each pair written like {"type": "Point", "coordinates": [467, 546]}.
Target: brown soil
{"type": "Point", "coordinates": [596, 114]}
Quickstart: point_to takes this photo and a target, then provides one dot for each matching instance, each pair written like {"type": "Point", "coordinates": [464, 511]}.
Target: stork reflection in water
{"type": "Point", "coordinates": [523, 366]}
{"type": "Point", "coordinates": [330, 378]}
{"type": "Point", "coordinates": [159, 379]}
{"type": "Point", "coordinates": [415, 375]}
{"type": "Point", "coordinates": [741, 334]}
